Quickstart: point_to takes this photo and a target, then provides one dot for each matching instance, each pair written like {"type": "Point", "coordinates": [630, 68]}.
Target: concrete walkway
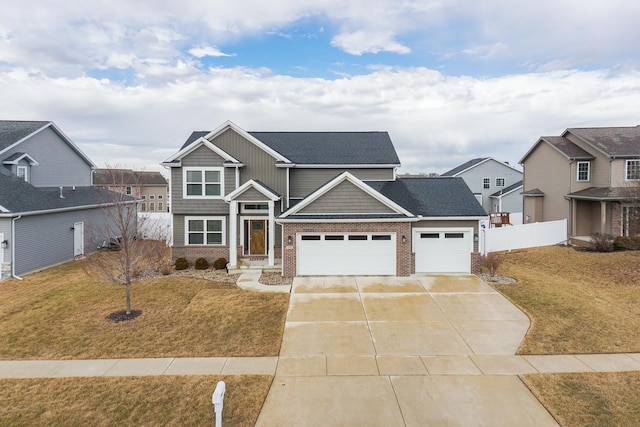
{"type": "Point", "coordinates": [250, 280]}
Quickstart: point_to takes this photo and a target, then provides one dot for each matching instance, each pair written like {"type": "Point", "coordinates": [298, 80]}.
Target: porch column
{"type": "Point", "coordinates": [233, 233]}
{"type": "Point", "coordinates": [603, 216]}
{"type": "Point", "coordinates": [574, 218]}
{"type": "Point", "coordinates": [272, 233]}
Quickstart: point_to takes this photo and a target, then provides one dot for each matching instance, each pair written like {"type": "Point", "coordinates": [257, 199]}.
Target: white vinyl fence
{"type": "Point", "coordinates": [522, 236]}
{"type": "Point", "coordinates": [155, 226]}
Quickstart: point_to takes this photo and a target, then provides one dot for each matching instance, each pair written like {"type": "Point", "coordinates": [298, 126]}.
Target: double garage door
{"type": "Point", "coordinates": [346, 254]}
{"type": "Point", "coordinates": [443, 250]}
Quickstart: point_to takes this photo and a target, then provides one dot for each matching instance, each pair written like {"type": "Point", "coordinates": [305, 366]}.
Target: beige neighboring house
{"type": "Point", "coordinates": [149, 187]}
{"type": "Point", "coordinates": [590, 176]}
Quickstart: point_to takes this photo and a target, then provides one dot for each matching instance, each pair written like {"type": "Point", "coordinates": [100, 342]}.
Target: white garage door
{"type": "Point", "coordinates": [443, 251]}
{"type": "Point", "coordinates": [347, 254]}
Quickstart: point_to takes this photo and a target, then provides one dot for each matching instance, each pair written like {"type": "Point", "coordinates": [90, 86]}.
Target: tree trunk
{"type": "Point", "coordinates": [128, 292]}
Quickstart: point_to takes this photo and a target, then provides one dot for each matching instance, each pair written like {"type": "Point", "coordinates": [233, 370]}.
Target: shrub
{"type": "Point", "coordinates": [602, 242]}
{"type": "Point", "coordinates": [220, 264]}
{"type": "Point", "coordinates": [182, 263]}
{"type": "Point", "coordinates": [201, 264]}
{"type": "Point", "coordinates": [491, 262]}
{"type": "Point", "coordinates": [625, 243]}
{"type": "Point", "coordinates": [165, 269]}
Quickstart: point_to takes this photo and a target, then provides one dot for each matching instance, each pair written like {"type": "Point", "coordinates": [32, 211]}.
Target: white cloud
{"type": "Point", "coordinates": [203, 51]}
{"type": "Point", "coordinates": [361, 42]}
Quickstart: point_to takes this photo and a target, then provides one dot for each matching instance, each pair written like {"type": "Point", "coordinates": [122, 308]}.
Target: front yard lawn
{"type": "Point", "coordinates": [60, 313]}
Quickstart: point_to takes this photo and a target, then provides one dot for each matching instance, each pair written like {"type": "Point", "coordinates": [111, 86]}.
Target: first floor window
{"type": "Point", "coordinates": [486, 183]}
{"type": "Point", "coordinates": [583, 171]}
{"type": "Point", "coordinates": [159, 206]}
{"type": "Point", "coordinates": [633, 169]}
{"type": "Point", "coordinates": [205, 231]}
{"type": "Point", "coordinates": [152, 206]}
{"type": "Point", "coordinates": [144, 207]}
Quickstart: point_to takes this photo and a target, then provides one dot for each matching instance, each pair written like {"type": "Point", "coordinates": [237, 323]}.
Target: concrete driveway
{"type": "Point", "coordinates": [393, 351]}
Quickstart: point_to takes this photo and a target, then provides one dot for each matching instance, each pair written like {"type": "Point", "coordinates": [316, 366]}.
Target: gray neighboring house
{"type": "Point", "coordinates": [497, 185]}
{"type": "Point", "coordinates": [47, 203]}
{"type": "Point", "coordinates": [325, 203]}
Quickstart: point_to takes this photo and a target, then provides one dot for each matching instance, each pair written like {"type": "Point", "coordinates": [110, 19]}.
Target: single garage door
{"type": "Point", "coordinates": [443, 251]}
{"type": "Point", "coordinates": [348, 254]}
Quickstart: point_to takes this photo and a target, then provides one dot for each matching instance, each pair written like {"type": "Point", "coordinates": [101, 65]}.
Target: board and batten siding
{"type": "Point", "coordinates": [258, 163]}
{"type": "Point", "coordinates": [45, 240]}
{"type": "Point", "coordinates": [346, 198]}
{"type": "Point", "coordinates": [304, 181]}
{"type": "Point", "coordinates": [200, 157]}
{"type": "Point", "coordinates": [59, 165]}
{"type": "Point", "coordinates": [251, 195]}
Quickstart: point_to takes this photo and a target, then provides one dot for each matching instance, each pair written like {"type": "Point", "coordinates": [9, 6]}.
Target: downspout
{"type": "Point", "coordinates": [13, 247]}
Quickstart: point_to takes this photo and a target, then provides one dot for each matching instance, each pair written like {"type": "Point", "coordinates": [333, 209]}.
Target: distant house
{"type": "Point", "coordinates": [325, 203]}
{"type": "Point", "coordinates": [149, 187]}
{"type": "Point", "coordinates": [497, 185]}
{"type": "Point", "coordinates": [590, 176]}
{"type": "Point", "coordinates": [47, 202]}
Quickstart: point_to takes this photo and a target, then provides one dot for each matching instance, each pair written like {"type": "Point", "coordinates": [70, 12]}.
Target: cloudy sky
{"type": "Point", "coordinates": [450, 80]}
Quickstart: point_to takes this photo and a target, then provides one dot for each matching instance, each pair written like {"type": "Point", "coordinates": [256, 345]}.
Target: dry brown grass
{"type": "Point", "coordinates": [60, 313]}
{"type": "Point", "coordinates": [589, 399]}
{"type": "Point", "coordinates": [139, 401]}
{"type": "Point", "coordinates": [579, 302]}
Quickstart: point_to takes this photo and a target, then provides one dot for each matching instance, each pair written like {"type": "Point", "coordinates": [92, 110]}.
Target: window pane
{"type": "Point", "coordinates": [194, 176]}
{"type": "Point", "coordinates": [214, 225]}
{"type": "Point", "coordinates": [453, 235]}
{"type": "Point", "coordinates": [194, 190]}
{"type": "Point", "coordinates": [196, 225]}
{"type": "Point", "coordinates": [196, 238]}
{"type": "Point", "coordinates": [212, 189]}
{"type": "Point", "coordinates": [381, 237]}
{"type": "Point", "coordinates": [633, 169]}
{"type": "Point", "coordinates": [214, 238]}
{"type": "Point", "coordinates": [212, 176]}
{"type": "Point", "coordinates": [333, 237]}
{"type": "Point", "coordinates": [357, 237]}
{"type": "Point", "coordinates": [310, 237]}
{"type": "Point", "coordinates": [429, 235]}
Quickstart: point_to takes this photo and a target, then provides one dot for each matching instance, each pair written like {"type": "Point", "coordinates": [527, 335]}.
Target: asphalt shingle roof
{"type": "Point", "coordinates": [508, 189]}
{"type": "Point", "coordinates": [568, 148]}
{"type": "Point", "coordinates": [12, 131]}
{"type": "Point", "coordinates": [326, 148]}
{"type": "Point", "coordinates": [464, 166]}
{"type": "Point", "coordinates": [18, 196]}
{"type": "Point", "coordinates": [614, 141]}
{"type": "Point", "coordinates": [431, 197]}
{"type": "Point", "coordinates": [127, 177]}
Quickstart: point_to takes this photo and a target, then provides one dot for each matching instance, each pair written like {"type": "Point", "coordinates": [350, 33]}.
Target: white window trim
{"type": "Point", "coordinates": [243, 208]}
{"type": "Point", "coordinates": [588, 172]}
{"type": "Point", "coordinates": [483, 183]}
{"type": "Point", "coordinates": [205, 219]}
{"type": "Point", "coordinates": [626, 170]}
{"type": "Point", "coordinates": [203, 169]}
{"type": "Point", "coordinates": [26, 172]}
{"type": "Point", "coordinates": [504, 182]}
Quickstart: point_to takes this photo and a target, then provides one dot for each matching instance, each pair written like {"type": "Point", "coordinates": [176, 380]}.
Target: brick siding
{"type": "Point", "coordinates": [191, 253]}
{"type": "Point", "coordinates": [476, 263]}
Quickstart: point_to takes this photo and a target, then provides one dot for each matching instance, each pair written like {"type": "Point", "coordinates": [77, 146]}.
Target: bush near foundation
{"type": "Point", "coordinates": [181, 263]}
{"type": "Point", "coordinates": [220, 264]}
{"type": "Point", "coordinates": [201, 264]}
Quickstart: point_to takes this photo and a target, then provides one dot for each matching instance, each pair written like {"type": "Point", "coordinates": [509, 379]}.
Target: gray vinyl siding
{"type": "Point", "coordinates": [59, 165]}
{"type": "Point", "coordinates": [251, 195]}
{"type": "Point", "coordinates": [45, 240]}
{"type": "Point", "coordinates": [259, 164]}
{"type": "Point", "coordinates": [200, 157]}
{"type": "Point", "coordinates": [512, 202]}
{"type": "Point", "coordinates": [304, 181]}
{"type": "Point", "coordinates": [5, 228]}
{"type": "Point", "coordinates": [346, 198]}
{"type": "Point", "coordinates": [489, 169]}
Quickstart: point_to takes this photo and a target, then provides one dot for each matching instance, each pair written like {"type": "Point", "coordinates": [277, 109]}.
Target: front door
{"type": "Point", "coordinates": [257, 237]}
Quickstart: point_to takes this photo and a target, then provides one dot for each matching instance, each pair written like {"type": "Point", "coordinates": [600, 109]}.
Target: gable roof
{"type": "Point", "coordinates": [13, 132]}
{"type": "Point", "coordinates": [612, 141]}
{"type": "Point", "coordinates": [507, 190]}
{"type": "Point", "coordinates": [400, 211]}
{"type": "Point", "coordinates": [127, 176]}
{"type": "Point", "coordinates": [314, 148]}
{"type": "Point", "coordinates": [476, 162]}
{"type": "Point", "coordinates": [432, 197]}
{"type": "Point", "coordinates": [258, 186]}
{"type": "Point", "coordinates": [15, 158]}
{"type": "Point", "coordinates": [19, 197]}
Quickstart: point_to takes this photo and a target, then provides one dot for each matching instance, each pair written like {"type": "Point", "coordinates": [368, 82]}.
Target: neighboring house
{"type": "Point", "coordinates": [326, 203]}
{"type": "Point", "coordinates": [47, 203]}
{"type": "Point", "coordinates": [590, 176]}
{"type": "Point", "coordinates": [149, 187]}
{"type": "Point", "coordinates": [497, 185]}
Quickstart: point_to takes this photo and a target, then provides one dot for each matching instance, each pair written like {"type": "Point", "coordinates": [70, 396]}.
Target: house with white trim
{"type": "Point", "coordinates": [319, 203]}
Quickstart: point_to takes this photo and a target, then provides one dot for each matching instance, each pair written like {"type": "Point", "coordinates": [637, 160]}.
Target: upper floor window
{"type": "Point", "coordinates": [203, 182]}
{"type": "Point", "coordinates": [143, 197]}
{"type": "Point", "coordinates": [159, 196]}
{"type": "Point", "coordinates": [499, 182]}
{"type": "Point", "coordinates": [632, 169]}
{"type": "Point", "coordinates": [486, 183]}
{"type": "Point", "coordinates": [128, 190]}
{"type": "Point", "coordinates": [584, 169]}
{"type": "Point", "coordinates": [22, 173]}
{"type": "Point", "coordinates": [151, 197]}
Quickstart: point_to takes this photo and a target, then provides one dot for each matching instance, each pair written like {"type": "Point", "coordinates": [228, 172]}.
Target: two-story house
{"type": "Point", "coordinates": [325, 203]}
{"type": "Point", "coordinates": [48, 206]}
{"type": "Point", "coordinates": [590, 176]}
{"type": "Point", "coordinates": [497, 185]}
{"type": "Point", "coordinates": [150, 187]}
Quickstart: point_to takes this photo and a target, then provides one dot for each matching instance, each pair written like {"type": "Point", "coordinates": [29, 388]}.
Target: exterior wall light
{"type": "Point", "coordinates": [289, 240]}
{"type": "Point", "coordinates": [404, 239]}
{"type": "Point", "coordinates": [4, 244]}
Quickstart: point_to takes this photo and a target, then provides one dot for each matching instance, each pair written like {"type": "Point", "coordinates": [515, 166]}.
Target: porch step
{"type": "Point", "coordinates": [257, 266]}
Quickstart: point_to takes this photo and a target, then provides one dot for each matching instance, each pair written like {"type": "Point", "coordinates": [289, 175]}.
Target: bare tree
{"type": "Point", "coordinates": [128, 256]}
